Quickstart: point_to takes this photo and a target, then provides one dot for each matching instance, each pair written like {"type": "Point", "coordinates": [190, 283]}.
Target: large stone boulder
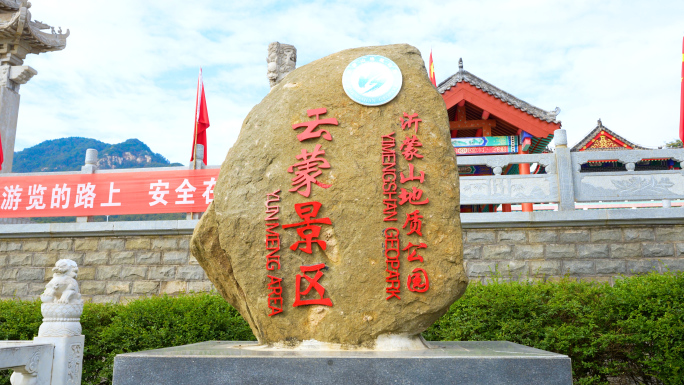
{"type": "Point", "coordinates": [335, 276]}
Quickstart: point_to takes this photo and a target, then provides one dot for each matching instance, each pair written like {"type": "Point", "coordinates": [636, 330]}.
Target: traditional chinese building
{"type": "Point", "coordinates": [19, 36]}
{"type": "Point", "coordinates": [601, 138]}
{"type": "Point", "coordinates": [486, 120]}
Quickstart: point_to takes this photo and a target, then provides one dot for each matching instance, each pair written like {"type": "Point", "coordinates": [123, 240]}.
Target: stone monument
{"type": "Point", "coordinates": [281, 59]}
{"type": "Point", "coordinates": [335, 232]}
{"type": "Point", "coordinates": [19, 36]}
{"type": "Point", "coordinates": [339, 217]}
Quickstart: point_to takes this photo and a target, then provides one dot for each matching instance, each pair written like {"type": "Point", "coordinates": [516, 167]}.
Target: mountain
{"type": "Point", "coordinates": [68, 154]}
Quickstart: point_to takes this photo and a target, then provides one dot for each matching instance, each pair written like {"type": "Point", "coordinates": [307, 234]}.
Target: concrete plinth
{"type": "Point", "coordinates": [462, 363]}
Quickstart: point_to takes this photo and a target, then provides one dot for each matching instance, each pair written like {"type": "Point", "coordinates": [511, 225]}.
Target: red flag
{"type": "Point", "coordinates": [681, 100]}
{"type": "Point", "coordinates": [201, 119]}
{"type": "Point", "coordinates": [432, 71]}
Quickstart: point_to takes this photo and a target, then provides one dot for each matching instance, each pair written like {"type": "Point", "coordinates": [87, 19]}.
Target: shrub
{"type": "Point", "coordinates": [633, 330]}
{"type": "Point", "coordinates": [147, 323]}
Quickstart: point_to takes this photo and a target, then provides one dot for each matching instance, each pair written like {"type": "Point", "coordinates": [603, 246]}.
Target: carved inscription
{"type": "Point", "coordinates": [392, 263]}
{"type": "Point", "coordinates": [275, 289]}
{"type": "Point", "coordinates": [389, 178]}
{"type": "Point", "coordinates": [409, 194]}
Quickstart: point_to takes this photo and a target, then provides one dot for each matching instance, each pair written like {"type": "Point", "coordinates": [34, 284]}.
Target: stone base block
{"type": "Point", "coordinates": [67, 364]}
{"type": "Point", "coordinates": [462, 363]}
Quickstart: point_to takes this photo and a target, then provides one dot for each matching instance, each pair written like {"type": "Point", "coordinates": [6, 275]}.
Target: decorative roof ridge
{"type": "Point", "coordinates": [596, 130]}
{"type": "Point", "coordinates": [465, 76]}
{"type": "Point", "coordinates": [53, 41]}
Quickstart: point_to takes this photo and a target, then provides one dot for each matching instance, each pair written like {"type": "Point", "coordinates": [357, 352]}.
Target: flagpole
{"type": "Point", "coordinates": [681, 100]}
{"type": "Point", "coordinates": [194, 149]}
{"type": "Point", "coordinates": [194, 137]}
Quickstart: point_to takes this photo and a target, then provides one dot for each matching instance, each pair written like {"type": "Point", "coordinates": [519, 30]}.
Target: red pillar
{"type": "Point", "coordinates": [525, 170]}
{"type": "Point", "coordinates": [506, 207]}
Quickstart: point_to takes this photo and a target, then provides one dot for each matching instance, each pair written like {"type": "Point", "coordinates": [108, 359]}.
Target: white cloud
{"type": "Point", "coordinates": [130, 67]}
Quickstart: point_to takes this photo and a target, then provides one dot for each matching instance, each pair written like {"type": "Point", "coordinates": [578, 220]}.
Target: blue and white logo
{"type": "Point", "coordinates": [372, 80]}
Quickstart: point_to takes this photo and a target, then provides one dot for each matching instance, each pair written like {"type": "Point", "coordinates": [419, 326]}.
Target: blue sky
{"type": "Point", "coordinates": [130, 66]}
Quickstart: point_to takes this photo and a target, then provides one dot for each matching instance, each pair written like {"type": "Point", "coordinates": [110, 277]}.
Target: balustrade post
{"type": "Point", "coordinates": [62, 307]}
{"type": "Point", "coordinates": [566, 189]}
{"type": "Point", "coordinates": [89, 168]}
{"type": "Point", "coordinates": [524, 169]}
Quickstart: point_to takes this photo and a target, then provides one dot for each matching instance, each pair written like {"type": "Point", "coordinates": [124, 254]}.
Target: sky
{"type": "Point", "coordinates": [130, 66]}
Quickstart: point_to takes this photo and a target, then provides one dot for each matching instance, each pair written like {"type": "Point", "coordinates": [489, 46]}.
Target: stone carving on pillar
{"type": "Point", "coordinates": [74, 363]}
{"type": "Point", "coordinates": [28, 375]}
{"type": "Point", "coordinates": [282, 59]}
{"type": "Point", "coordinates": [21, 74]}
{"type": "Point", "coordinates": [19, 36]}
{"type": "Point", "coordinates": [62, 308]}
{"type": "Point", "coordinates": [62, 304]}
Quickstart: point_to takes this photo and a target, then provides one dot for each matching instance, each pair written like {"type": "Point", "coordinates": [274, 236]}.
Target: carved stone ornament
{"type": "Point", "coordinates": [4, 75]}
{"type": "Point", "coordinates": [74, 363]}
{"type": "Point", "coordinates": [21, 74]}
{"type": "Point", "coordinates": [24, 35]}
{"type": "Point", "coordinates": [62, 304]}
{"type": "Point", "coordinates": [28, 374]}
{"type": "Point", "coordinates": [282, 59]}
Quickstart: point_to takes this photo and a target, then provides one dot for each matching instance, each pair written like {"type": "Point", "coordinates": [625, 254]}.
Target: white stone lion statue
{"type": "Point", "coordinates": [63, 288]}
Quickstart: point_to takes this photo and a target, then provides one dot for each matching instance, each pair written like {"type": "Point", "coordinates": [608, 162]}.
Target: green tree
{"type": "Point", "coordinates": [677, 143]}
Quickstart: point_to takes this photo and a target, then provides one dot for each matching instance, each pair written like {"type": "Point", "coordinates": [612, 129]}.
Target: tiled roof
{"type": "Point", "coordinates": [17, 23]}
{"type": "Point", "coordinates": [600, 127]}
{"type": "Point", "coordinates": [465, 76]}
{"type": "Point", "coordinates": [10, 5]}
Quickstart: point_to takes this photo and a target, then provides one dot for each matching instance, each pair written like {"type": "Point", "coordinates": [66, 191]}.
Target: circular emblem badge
{"type": "Point", "coordinates": [372, 80]}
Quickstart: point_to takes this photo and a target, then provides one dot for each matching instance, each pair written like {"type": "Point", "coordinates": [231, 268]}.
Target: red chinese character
{"type": "Point", "coordinates": [412, 197]}
{"type": "Point", "coordinates": [410, 120]}
{"type": "Point", "coordinates": [308, 170]}
{"type": "Point", "coordinates": [412, 254]}
{"type": "Point", "coordinates": [309, 132]}
{"type": "Point", "coordinates": [408, 147]}
{"type": "Point", "coordinates": [420, 178]}
{"type": "Point", "coordinates": [418, 281]}
{"type": "Point", "coordinates": [308, 231]}
{"type": "Point", "coordinates": [414, 220]}
{"type": "Point", "coordinates": [313, 284]}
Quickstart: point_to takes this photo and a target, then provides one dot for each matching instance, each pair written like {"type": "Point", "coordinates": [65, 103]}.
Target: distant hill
{"type": "Point", "coordinates": [68, 154]}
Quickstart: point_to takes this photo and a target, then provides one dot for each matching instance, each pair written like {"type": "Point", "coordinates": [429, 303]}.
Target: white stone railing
{"type": "Point", "coordinates": [55, 357]}
{"type": "Point", "coordinates": [563, 182]}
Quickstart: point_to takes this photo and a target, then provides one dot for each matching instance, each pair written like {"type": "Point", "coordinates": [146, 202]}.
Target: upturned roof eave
{"type": "Point", "coordinates": [467, 77]}
{"type": "Point", "coordinates": [38, 40]}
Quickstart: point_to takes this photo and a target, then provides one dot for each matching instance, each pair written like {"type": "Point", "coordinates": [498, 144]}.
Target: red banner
{"type": "Point", "coordinates": [176, 191]}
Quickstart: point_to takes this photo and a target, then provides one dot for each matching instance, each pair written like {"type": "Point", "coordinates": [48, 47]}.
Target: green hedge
{"type": "Point", "coordinates": [143, 324]}
{"type": "Point", "coordinates": [633, 330]}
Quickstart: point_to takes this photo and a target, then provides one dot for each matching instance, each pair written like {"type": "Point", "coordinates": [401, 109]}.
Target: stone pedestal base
{"type": "Point", "coordinates": [462, 363]}
{"type": "Point", "coordinates": [67, 364]}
